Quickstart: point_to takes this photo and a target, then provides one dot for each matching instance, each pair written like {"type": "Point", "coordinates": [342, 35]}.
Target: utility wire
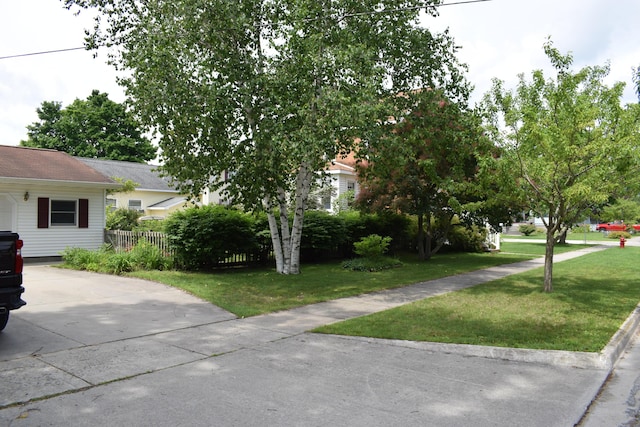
{"type": "Point", "coordinates": [406, 9]}
{"type": "Point", "coordinates": [344, 16]}
{"type": "Point", "coordinates": [41, 53]}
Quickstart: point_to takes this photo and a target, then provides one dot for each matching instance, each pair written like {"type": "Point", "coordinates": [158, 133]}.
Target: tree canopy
{"type": "Point", "coordinates": [267, 92]}
{"type": "Point", "coordinates": [96, 127]}
{"type": "Point", "coordinates": [433, 163]}
{"type": "Point", "coordinates": [568, 141]}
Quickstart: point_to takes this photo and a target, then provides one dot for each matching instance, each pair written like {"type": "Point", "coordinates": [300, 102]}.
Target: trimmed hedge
{"type": "Point", "coordinates": [201, 237]}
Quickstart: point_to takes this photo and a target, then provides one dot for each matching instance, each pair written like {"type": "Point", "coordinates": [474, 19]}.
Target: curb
{"type": "Point", "coordinates": [605, 360]}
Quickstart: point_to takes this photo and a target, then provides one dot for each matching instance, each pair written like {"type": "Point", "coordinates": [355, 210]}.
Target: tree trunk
{"type": "Point", "coordinates": [548, 261]}
{"type": "Point", "coordinates": [303, 187]}
{"type": "Point", "coordinates": [287, 242]}
{"type": "Point", "coordinates": [562, 239]}
{"type": "Point", "coordinates": [421, 237]}
{"type": "Point", "coordinates": [428, 239]}
{"type": "Point", "coordinates": [275, 236]}
{"type": "Point", "coordinates": [285, 234]}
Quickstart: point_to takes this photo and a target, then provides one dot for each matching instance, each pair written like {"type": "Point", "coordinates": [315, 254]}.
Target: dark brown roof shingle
{"type": "Point", "coordinates": [42, 164]}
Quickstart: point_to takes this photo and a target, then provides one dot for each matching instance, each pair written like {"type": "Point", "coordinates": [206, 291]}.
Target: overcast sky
{"type": "Point", "coordinates": [499, 38]}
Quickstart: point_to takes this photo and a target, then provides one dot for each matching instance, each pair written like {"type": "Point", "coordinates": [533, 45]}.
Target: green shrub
{"type": "Point", "coordinates": [150, 225]}
{"type": "Point", "coordinates": [618, 234]}
{"type": "Point", "coordinates": [203, 236]}
{"type": "Point", "coordinates": [371, 250]}
{"type": "Point", "coordinates": [122, 219]}
{"type": "Point", "coordinates": [359, 225]}
{"type": "Point", "coordinates": [527, 229]}
{"type": "Point", "coordinates": [146, 256]}
{"type": "Point", "coordinates": [369, 264]}
{"type": "Point", "coordinates": [467, 238]}
{"type": "Point", "coordinates": [372, 246]}
{"type": "Point", "coordinates": [143, 256]}
{"type": "Point", "coordinates": [81, 259]}
{"type": "Point", "coordinates": [322, 236]}
{"type": "Point", "coordinates": [118, 263]}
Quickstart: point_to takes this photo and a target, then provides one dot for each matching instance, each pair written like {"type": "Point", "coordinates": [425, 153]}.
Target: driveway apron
{"type": "Point", "coordinates": [97, 350]}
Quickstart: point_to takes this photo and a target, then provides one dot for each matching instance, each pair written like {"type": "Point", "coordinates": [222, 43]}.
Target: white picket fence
{"type": "Point", "coordinates": [122, 240]}
{"type": "Point", "coordinates": [493, 240]}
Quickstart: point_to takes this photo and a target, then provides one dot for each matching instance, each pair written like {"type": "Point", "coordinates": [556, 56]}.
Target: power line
{"type": "Point", "coordinates": [407, 9]}
{"type": "Point", "coordinates": [41, 53]}
{"type": "Point", "coordinates": [344, 16]}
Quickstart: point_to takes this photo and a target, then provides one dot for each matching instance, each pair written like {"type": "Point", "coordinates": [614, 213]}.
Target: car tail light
{"type": "Point", "coordinates": [19, 260]}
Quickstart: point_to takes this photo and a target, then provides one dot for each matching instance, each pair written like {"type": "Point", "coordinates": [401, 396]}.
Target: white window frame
{"type": "Point", "coordinates": [57, 212]}
{"type": "Point", "coordinates": [134, 208]}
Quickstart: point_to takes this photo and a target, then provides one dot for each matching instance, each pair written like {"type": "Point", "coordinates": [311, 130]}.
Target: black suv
{"type": "Point", "coordinates": [10, 275]}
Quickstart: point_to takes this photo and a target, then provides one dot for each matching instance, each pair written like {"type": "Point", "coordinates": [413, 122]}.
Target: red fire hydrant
{"type": "Point", "coordinates": [622, 240]}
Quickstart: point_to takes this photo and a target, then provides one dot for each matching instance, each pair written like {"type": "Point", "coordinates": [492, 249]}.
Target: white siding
{"type": "Point", "coordinates": [40, 242]}
{"type": "Point", "coordinates": [339, 181]}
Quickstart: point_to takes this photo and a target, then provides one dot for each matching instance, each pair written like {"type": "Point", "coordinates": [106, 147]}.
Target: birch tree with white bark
{"type": "Point", "coordinates": [268, 91]}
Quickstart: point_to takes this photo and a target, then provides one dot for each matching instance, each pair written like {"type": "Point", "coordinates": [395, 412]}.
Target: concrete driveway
{"type": "Point", "coordinates": [97, 350]}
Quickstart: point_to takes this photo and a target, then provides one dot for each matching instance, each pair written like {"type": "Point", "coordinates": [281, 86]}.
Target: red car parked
{"type": "Point", "coordinates": [614, 226]}
{"type": "Point", "coordinates": [611, 226]}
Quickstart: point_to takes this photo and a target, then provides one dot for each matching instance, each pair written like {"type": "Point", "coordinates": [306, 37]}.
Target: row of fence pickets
{"type": "Point", "coordinates": [123, 241]}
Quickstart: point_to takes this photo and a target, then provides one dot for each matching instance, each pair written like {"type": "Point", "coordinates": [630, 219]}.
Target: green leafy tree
{"type": "Point", "coordinates": [624, 209]}
{"type": "Point", "coordinates": [567, 140]}
{"type": "Point", "coordinates": [96, 127]}
{"type": "Point", "coordinates": [268, 90]}
{"type": "Point", "coordinates": [432, 163]}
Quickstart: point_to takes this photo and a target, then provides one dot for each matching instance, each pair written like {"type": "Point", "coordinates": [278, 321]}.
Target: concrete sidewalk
{"type": "Point", "coordinates": [93, 350]}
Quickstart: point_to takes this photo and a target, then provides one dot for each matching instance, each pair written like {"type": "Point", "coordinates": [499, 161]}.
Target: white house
{"type": "Point", "coordinates": [52, 200]}
{"type": "Point", "coordinates": [342, 178]}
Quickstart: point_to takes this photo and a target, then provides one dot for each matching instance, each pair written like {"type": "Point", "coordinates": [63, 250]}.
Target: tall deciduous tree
{"type": "Point", "coordinates": [569, 142]}
{"type": "Point", "coordinates": [431, 164]}
{"type": "Point", "coordinates": [269, 90]}
{"type": "Point", "coordinates": [96, 127]}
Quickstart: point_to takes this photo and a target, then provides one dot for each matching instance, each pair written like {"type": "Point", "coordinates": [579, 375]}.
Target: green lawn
{"type": "Point", "coordinates": [258, 291]}
{"type": "Point", "coordinates": [593, 295]}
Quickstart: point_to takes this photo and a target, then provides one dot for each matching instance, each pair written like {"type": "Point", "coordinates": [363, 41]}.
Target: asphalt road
{"type": "Point", "coordinates": [98, 350]}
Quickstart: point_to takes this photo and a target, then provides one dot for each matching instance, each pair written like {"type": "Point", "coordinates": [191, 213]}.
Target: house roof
{"type": "Point", "coordinates": [343, 163]}
{"type": "Point", "coordinates": [146, 176]}
{"type": "Point", "coordinates": [25, 163]}
{"type": "Point", "coordinates": [166, 204]}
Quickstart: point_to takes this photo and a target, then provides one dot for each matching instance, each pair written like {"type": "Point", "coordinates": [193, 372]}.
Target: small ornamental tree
{"type": "Point", "coordinates": [432, 162]}
{"type": "Point", "coordinates": [568, 141]}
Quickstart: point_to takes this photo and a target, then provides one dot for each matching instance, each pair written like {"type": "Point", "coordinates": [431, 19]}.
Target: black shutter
{"type": "Point", "coordinates": [43, 212]}
{"type": "Point", "coordinates": [83, 213]}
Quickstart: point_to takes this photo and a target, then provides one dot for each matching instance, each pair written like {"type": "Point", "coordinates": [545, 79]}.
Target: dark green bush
{"type": "Point", "coordinates": [322, 236]}
{"type": "Point", "coordinates": [359, 225]}
{"type": "Point", "coordinates": [368, 264]}
{"type": "Point", "coordinates": [203, 236]}
{"type": "Point", "coordinates": [467, 238]}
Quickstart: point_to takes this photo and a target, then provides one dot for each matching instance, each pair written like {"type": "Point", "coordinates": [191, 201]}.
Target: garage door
{"type": "Point", "coordinates": [7, 209]}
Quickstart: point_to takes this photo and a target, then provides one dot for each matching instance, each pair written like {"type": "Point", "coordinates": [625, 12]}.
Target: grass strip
{"type": "Point", "coordinates": [592, 297]}
{"type": "Point", "coordinates": [257, 291]}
